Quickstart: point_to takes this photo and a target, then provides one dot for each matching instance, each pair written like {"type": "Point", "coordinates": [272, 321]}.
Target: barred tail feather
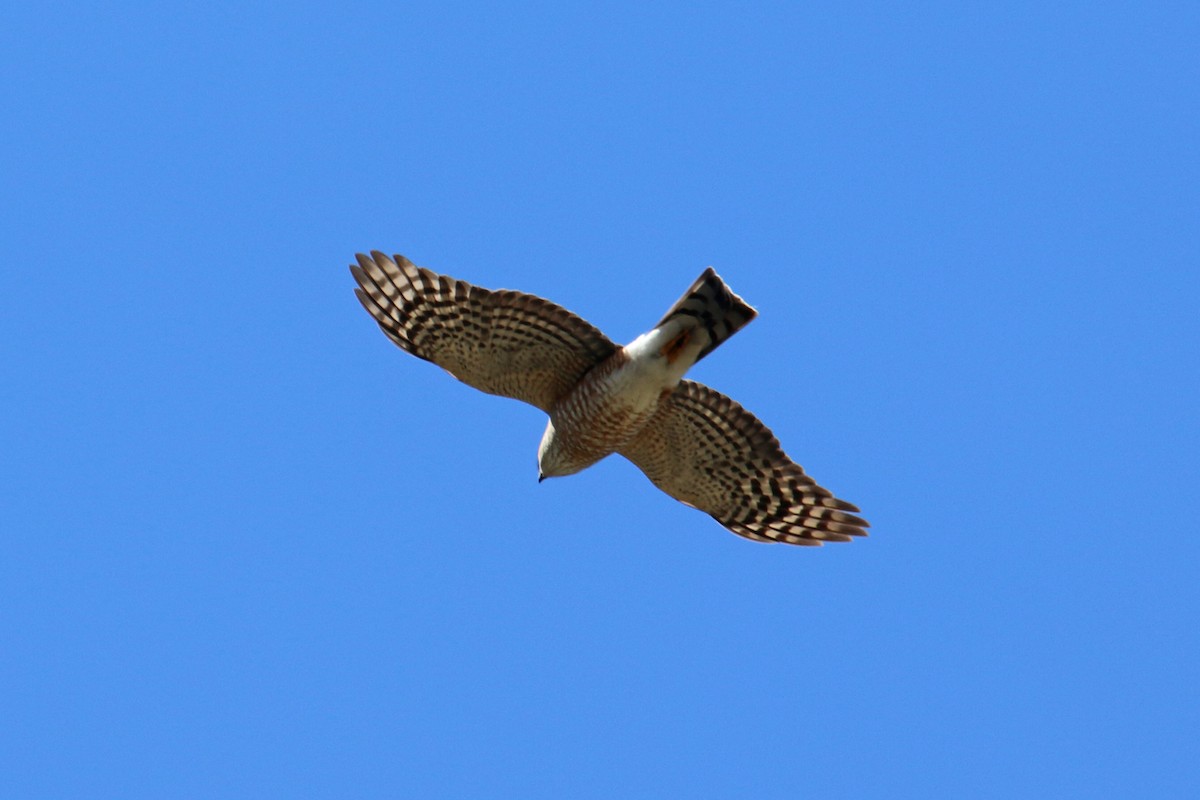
{"type": "Point", "coordinates": [713, 305]}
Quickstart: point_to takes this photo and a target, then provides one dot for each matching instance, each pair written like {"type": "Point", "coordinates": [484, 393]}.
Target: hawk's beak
{"type": "Point", "coordinates": [541, 477]}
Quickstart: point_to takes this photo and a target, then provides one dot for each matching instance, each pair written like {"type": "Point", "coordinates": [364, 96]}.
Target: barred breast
{"type": "Point", "coordinates": [603, 412]}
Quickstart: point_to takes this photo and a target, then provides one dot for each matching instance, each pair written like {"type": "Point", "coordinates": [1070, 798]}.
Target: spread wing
{"type": "Point", "coordinates": [707, 451]}
{"type": "Point", "coordinates": [501, 342]}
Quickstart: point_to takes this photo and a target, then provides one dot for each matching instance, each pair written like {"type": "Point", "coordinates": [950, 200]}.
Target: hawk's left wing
{"type": "Point", "coordinates": [707, 451]}
{"type": "Point", "coordinates": [501, 342]}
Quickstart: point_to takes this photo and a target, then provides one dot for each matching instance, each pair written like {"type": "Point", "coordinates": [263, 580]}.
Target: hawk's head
{"type": "Point", "coordinates": [553, 459]}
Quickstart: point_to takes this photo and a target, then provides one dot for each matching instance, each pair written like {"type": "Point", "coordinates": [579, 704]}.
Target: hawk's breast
{"type": "Point", "coordinates": [607, 408]}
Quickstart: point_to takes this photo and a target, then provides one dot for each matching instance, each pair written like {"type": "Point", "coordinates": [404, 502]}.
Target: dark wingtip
{"type": "Point", "coordinates": [850, 519]}
{"type": "Point", "coordinates": [842, 505]}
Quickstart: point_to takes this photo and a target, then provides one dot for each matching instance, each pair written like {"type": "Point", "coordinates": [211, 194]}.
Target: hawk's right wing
{"type": "Point", "coordinates": [707, 451]}
{"type": "Point", "coordinates": [501, 342]}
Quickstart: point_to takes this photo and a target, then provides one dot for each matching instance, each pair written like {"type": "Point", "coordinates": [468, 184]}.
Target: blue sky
{"type": "Point", "coordinates": [250, 549]}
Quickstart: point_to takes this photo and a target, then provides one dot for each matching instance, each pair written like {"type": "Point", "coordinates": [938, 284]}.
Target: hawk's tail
{"type": "Point", "coordinates": [716, 310]}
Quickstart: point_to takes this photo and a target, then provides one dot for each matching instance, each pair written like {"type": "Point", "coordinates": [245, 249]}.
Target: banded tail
{"type": "Point", "coordinates": [712, 304]}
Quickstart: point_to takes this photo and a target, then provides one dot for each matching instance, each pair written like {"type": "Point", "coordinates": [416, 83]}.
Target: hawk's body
{"type": "Point", "coordinates": [608, 409]}
{"type": "Point", "coordinates": [695, 444]}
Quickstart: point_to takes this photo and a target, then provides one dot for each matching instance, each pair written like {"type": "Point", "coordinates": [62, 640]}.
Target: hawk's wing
{"type": "Point", "coordinates": [707, 451]}
{"type": "Point", "coordinates": [502, 342]}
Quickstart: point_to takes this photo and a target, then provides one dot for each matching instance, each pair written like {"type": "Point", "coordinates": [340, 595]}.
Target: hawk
{"type": "Point", "coordinates": [693, 442]}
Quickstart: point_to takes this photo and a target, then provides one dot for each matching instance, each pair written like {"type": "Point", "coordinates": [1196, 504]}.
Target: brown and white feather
{"type": "Point", "coordinates": [705, 450]}
{"type": "Point", "coordinates": [716, 310]}
{"type": "Point", "coordinates": [499, 341]}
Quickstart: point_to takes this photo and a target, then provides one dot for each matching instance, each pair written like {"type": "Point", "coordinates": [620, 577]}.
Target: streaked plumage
{"type": "Point", "coordinates": [694, 443]}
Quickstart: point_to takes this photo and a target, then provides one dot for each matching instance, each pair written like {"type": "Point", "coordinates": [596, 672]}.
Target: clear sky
{"type": "Point", "coordinates": [251, 549]}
